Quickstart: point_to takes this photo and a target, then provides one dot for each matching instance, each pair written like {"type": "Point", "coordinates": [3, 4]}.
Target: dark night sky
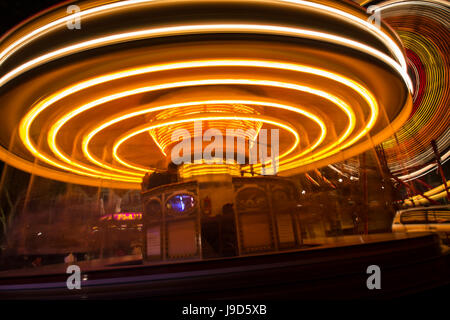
{"type": "Point", "coordinates": [15, 11]}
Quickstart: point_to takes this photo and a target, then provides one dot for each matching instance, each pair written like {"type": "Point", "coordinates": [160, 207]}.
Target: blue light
{"type": "Point", "coordinates": [181, 203]}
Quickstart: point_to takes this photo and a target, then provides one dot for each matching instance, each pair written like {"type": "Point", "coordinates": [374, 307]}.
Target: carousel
{"type": "Point", "coordinates": [99, 105]}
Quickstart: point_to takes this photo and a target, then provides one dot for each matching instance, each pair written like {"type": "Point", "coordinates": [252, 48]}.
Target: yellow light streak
{"type": "Point", "coordinates": [162, 136]}
{"type": "Point", "coordinates": [207, 28]}
{"type": "Point", "coordinates": [28, 119]}
{"type": "Point", "coordinates": [435, 194]}
{"type": "Point", "coordinates": [345, 140]}
{"type": "Point", "coordinates": [138, 112]}
{"type": "Point", "coordinates": [341, 104]}
{"type": "Point", "coordinates": [200, 117]}
{"type": "Point", "coordinates": [363, 23]}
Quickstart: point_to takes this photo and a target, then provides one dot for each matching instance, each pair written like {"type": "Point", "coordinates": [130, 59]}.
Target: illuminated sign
{"type": "Point", "coordinates": [123, 216]}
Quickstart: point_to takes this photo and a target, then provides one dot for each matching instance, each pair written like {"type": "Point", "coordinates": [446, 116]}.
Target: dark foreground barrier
{"type": "Point", "coordinates": [409, 265]}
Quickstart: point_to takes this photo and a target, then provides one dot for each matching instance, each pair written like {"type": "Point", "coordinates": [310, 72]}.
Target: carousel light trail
{"type": "Point", "coordinates": [7, 52]}
{"type": "Point", "coordinates": [27, 121]}
{"type": "Point", "coordinates": [234, 116]}
{"type": "Point", "coordinates": [195, 29]}
{"type": "Point", "coordinates": [336, 111]}
{"type": "Point", "coordinates": [57, 126]}
{"type": "Point", "coordinates": [108, 123]}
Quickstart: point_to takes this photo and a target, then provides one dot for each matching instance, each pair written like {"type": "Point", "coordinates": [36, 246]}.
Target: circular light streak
{"type": "Point", "coordinates": [198, 29]}
{"type": "Point", "coordinates": [40, 107]}
{"type": "Point", "coordinates": [248, 129]}
{"type": "Point", "coordinates": [105, 124]}
{"type": "Point", "coordinates": [341, 104]}
{"type": "Point", "coordinates": [423, 27]}
{"type": "Point", "coordinates": [158, 124]}
{"type": "Point", "coordinates": [22, 41]}
{"type": "Point", "coordinates": [358, 109]}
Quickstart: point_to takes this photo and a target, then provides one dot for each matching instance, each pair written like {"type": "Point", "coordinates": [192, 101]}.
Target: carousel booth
{"type": "Point", "coordinates": [117, 234]}
{"type": "Point", "coordinates": [219, 216]}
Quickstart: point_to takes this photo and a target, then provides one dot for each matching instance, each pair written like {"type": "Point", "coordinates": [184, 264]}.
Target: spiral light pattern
{"type": "Point", "coordinates": [423, 27]}
{"type": "Point", "coordinates": [97, 106]}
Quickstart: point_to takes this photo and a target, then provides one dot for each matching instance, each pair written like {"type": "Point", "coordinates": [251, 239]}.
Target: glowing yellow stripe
{"type": "Point", "coordinates": [392, 46]}
{"type": "Point", "coordinates": [128, 115]}
{"type": "Point", "coordinates": [421, 200]}
{"type": "Point", "coordinates": [323, 153]}
{"type": "Point", "coordinates": [341, 104]}
{"type": "Point", "coordinates": [26, 122]}
{"type": "Point", "coordinates": [332, 10]}
{"type": "Point", "coordinates": [432, 192]}
{"type": "Point", "coordinates": [162, 136]}
{"type": "Point", "coordinates": [102, 126]}
{"type": "Point", "coordinates": [206, 28]}
{"type": "Point", "coordinates": [189, 170]}
{"type": "Point", "coordinates": [158, 124]}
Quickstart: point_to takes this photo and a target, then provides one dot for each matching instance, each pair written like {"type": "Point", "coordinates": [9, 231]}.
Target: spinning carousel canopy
{"type": "Point", "coordinates": [96, 105]}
